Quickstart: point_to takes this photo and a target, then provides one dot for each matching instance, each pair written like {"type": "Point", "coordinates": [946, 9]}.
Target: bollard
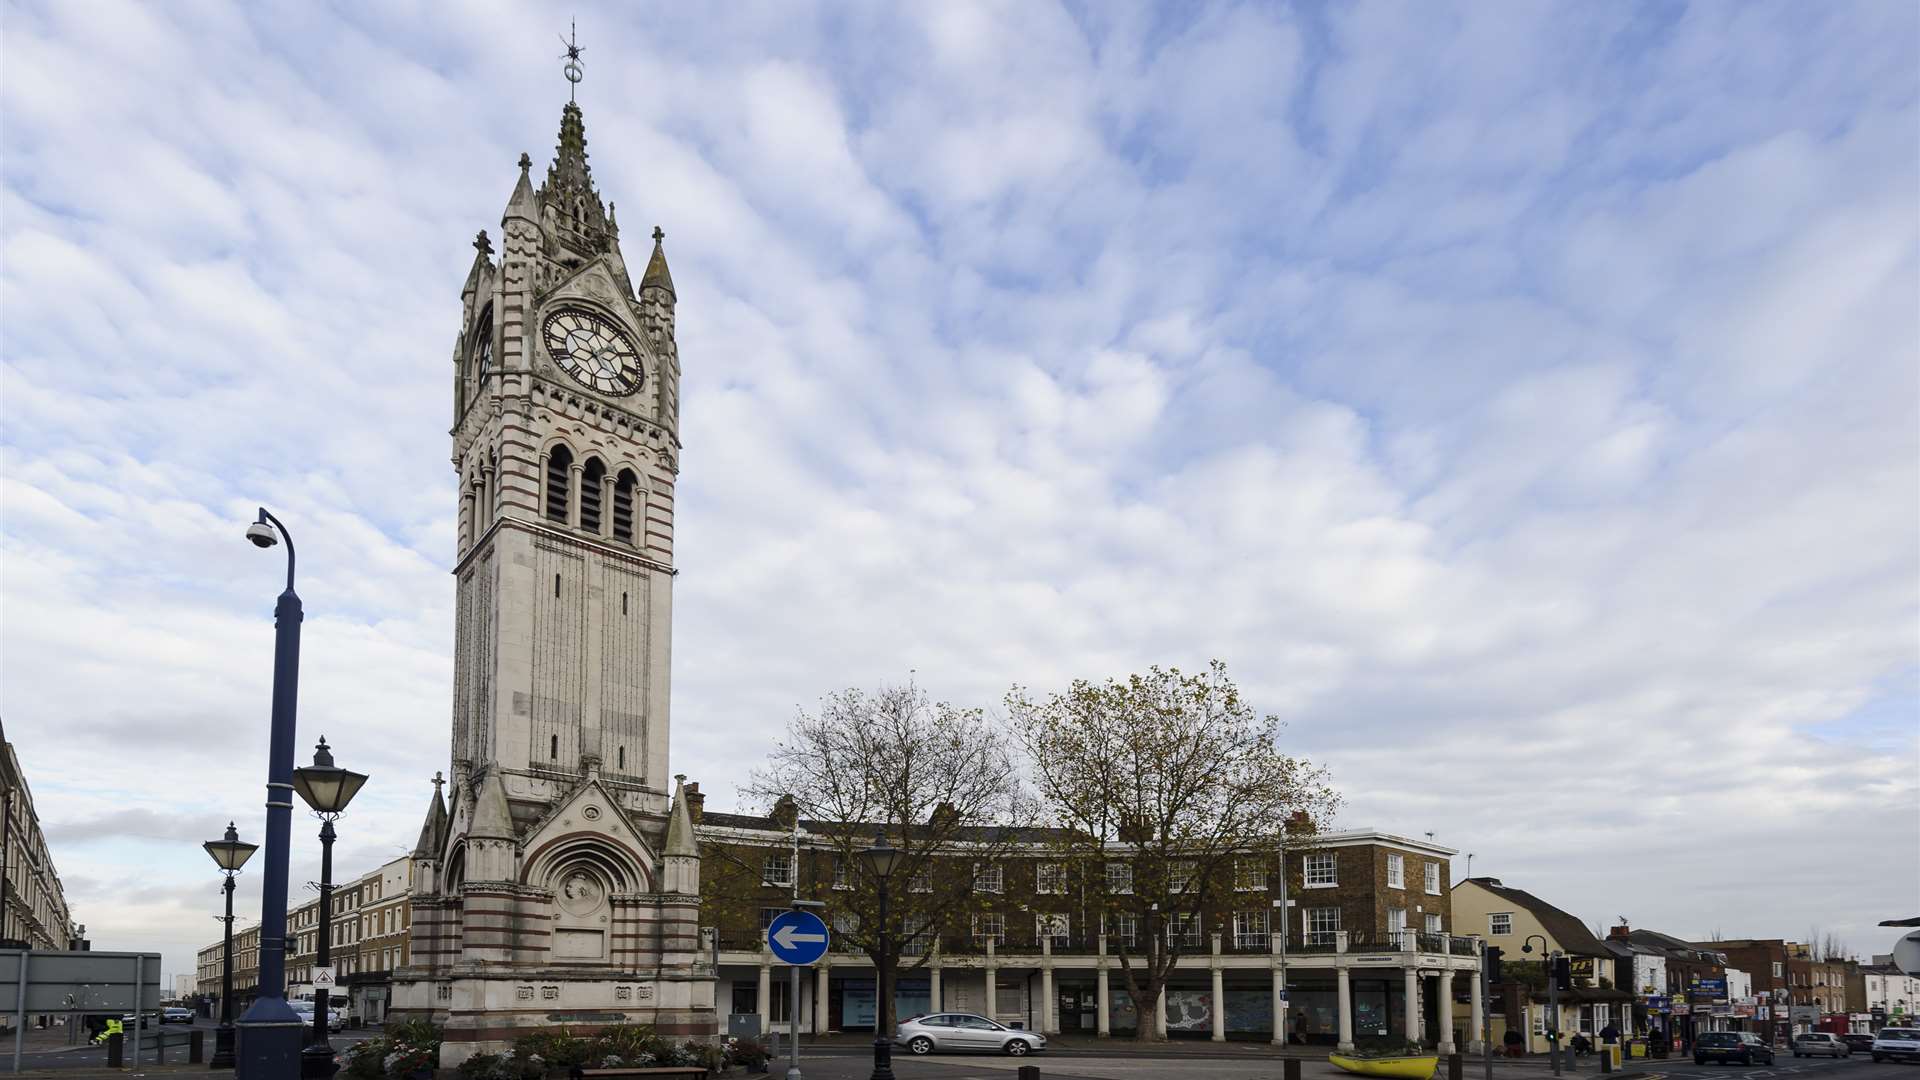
{"type": "Point", "coordinates": [1456, 1066]}
{"type": "Point", "coordinates": [114, 1050]}
{"type": "Point", "coordinates": [196, 1046]}
{"type": "Point", "coordinates": [1606, 1059]}
{"type": "Point", "coordinates": [1029, 1072]}
{"type": "Point", "coordinates": [1290, 1069]}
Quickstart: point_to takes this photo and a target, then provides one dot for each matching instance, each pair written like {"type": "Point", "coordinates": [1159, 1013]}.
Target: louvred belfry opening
{"type": "Point", "coordinates": [559, 464]}
{"type": "Point", "coordinates": [623, 507]}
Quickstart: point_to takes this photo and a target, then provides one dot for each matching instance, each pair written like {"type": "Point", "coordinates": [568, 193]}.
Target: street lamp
{"type": "Point", "coordinates": [230, 853]}
{"type": "Point", "coordinates": [328, 789]}
{"type": "Point", "coordinates": [883, 858]}
{"type": "Point", "coordinates": [268, 1035]}
{"type": "Point", "coordinates": [1547, 958]}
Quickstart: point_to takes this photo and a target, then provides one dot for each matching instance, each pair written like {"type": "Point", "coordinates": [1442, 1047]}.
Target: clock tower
{"type": "Point", "coordinates": [560, 882]}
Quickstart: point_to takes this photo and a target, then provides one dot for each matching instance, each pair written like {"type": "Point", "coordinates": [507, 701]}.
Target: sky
{"type": "Point", "coordinates": [1522, 400]}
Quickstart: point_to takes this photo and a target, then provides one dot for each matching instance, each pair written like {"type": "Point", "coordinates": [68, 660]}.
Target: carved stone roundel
{"type": "Point", "coordinates": [581, 894]}
{"type": "Point", "coordinates": [591, 813]}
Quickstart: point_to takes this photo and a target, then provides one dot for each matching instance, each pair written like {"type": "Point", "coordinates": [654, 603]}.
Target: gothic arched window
{"type": "Point", "coordinates": [482, 347]}
{"type": "Point", "coordinates": [559, 476]}
{"type": "Point", "coordinates": [592, 479]}
{"type": "Point", "coordinates": [623, 492]}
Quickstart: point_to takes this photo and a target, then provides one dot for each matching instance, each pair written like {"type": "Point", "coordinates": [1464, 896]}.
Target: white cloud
{"type": "Point", "coordinates": [1523, 405]}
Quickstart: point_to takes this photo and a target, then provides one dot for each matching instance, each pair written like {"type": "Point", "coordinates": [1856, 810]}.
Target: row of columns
{"type": "Point", "coordinates": [1439, 991]}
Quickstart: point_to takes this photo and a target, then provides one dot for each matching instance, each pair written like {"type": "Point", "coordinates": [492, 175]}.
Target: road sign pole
{"type": "Point", "coordinates": [793, 1025]}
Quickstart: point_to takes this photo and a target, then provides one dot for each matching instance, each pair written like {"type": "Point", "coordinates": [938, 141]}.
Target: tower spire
{"type": "Point", "coordinates": [571, 209]}
{"type": "Point", "coordinates": [656, 276]}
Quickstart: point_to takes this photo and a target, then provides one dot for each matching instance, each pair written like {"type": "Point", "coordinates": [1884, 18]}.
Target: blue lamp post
{"type": "Point", "coordinates": [269, 1032]}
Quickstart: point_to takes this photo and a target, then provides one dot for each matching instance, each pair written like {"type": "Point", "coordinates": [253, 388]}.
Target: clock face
{"type": "Point", "coordinates": [593, 350]}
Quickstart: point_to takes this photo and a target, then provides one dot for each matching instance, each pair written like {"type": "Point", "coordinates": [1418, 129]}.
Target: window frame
{"type": "Point", "coordinates": [994, 918]}
{"type": "Point", "coordinates": [1493, 923]}
{"type": "Point", "coordinates": [1191, 932]}
{"type": "Point", "coordinates": [1432, 873]}
{"type": "Point", "coordinates": [1323, 934]}
{"type": "Point", "coordinates": [1044, 923]}
{"type": "Point", "coordinates": [1246, 935]}
{"type": "Point", "coordinates": [1050, 878]}
{"type": "Point", "coordinates": [1309, 871]}
{"type": "Point", "coordinates": [1254, 882]}
{"type": "Point", "coordinates": [1396, 870]}
{"type": "Point", "coordinates": [988, 878]}
{"type": "Point", "coordinates": [1119, 884]}
{"type": "Point", "coordinates": [767, 862]}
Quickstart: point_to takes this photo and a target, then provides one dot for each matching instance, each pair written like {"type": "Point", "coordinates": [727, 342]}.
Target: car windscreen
{"type": "Point", "coordinates": [1720, 1038]}
{"type": "Point", "coordinates": [1900, 1033]}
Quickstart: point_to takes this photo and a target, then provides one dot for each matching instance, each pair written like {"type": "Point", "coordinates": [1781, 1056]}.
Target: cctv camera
{"type": "Point", "coordinates": [262, 534]}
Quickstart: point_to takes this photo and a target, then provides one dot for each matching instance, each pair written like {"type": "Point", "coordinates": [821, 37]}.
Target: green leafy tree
{"type": "Point", "coordinates": [1160, 784]}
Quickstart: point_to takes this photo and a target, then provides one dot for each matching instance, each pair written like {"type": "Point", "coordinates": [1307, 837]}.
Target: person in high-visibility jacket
{"type": "Point", "coordinates": [114, 1027]}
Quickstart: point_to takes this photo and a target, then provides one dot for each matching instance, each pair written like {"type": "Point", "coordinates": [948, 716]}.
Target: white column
{"type": "Point", "coordinates": [765, 1000]}
{"type": "Point", "coordinates": [1412, 1020]}
{"type": "Point", "coordinates": [1049, 1008]}
{"type": "Point", "coordinates": [606, 505]}
{"type": "Point", "coordinates": [1279, 1007]}
{"type": "Point", "coordinates": [1219, 1006]}
{"type": "Point", "coordinates": [821, 1021]}
{"type": "Point", "coordinates": [1103, 1023]}
{"type": "Point", "coordinates": [1443, 1009]}
{"type": "Point", "coordinates": [993, 983]}
{"type": "Point", "coordinates": [1477, 1024]}
{"type": "Point", "coordinates": [1345, 994]}
{"type": "Point", "coordinates": [574, 473]}
{"type": "Point", "coordinates": [934, 1003]}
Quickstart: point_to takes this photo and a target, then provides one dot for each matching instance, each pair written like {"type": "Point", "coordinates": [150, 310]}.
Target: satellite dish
{"type": "Point", "coordinates": [1906, 953]}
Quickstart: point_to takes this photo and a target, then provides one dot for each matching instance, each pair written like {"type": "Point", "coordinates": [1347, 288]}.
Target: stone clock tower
{"type": "Point", "coordinates": [559, 885]}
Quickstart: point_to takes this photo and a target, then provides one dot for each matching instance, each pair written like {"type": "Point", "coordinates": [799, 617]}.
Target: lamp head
{"type": "Point", "coordinates": [325, 787]}
{"type": "Point", "coordinates": [1526, 948]}
{"type": "Point", "coordinates": [262, 534]}
{"type": "Point", "coordinates": [229, 852]}
{"type": "Point", "coordinates": [882, 856]}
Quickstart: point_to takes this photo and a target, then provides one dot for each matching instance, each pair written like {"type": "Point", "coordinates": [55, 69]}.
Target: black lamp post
{"type": "Point", "coordinates": [882, 857]}
{"type": "Point", "coordinates": [328, 789]}
{"type": "Point", "coordinates": [268, 1033]}
{"type": "Point", "coordinates": [231, 854]}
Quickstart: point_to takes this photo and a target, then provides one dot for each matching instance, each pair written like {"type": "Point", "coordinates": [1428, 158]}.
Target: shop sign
{"type": "Point", "coordinates": [1583, 967]}
{"type": "Point", "coordinates": [1716, 987]}
{"type": "Point", "coordinates": [1762, 1012]}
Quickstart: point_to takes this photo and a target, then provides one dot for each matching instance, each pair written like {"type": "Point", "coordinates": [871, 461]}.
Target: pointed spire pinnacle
{"type": "Point", "coordinates": [491, 818]}
{"type": "Point", "coordinates": [657, 276]}
{"type": "Point", "coordinates": [680, 838]}
{"type": "Point", "coordinates": [433, 832]}
{"type": "Point", "coordinates": [572, 207]}
{"type": "Point", "coordinates": [521, 203]}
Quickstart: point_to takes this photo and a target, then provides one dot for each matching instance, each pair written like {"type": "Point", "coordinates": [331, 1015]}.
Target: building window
{"type": "Point", "coordinates": [986, 878]}
{"type": "Point", "coordinates": [989, 926]}
{"type": "Point", "coordinates": [846, 925]}
{"type": "Point", "coordinates": [592, 481]}
{"type": "Point", "coordinates": [1322, 924]}
{"type": "Point", "coordinates": [1433, 879]}
{"type": "Point", "coordinates": [842, 873]}
{"type": "Point", "coordinates": [1183, 931]}
{"type": "Point", "coordinates": [559, 469]}
{"type": "Point", "coordinates": [1396, 871]}
{"type": "Point", "coordinates": [1319, 871]}
{"type": "Point", "coordinates": [1500, 924]}
{"type": "Point", "coordinates": [1050, 878]}
{"type": "Point", "coordinates": [1777, 966]}
{"type": "Point", "coordinates": [1396, 922]}
{"type": "Point", "coordinates": [767, 915]}
{"type": "Point", "coordinates": [1250, 929]}
{"type": "Point", "coordinates": [1120, 878]}
{"type": "Point", "coordinates": [914, 935]}
{"type": "Point", "coordinates": [1433, 922]}
{"type": "Point", "coordinates": [922, 879]}
{"type": "Point", "coordinates": [1051, 928]}
{"type": "Point", "coordinates": [553, 748]}
{"type": "Point", "coordinates": [777, 870]}
{"type": "Point", "coordinates": [623, 492]}
{"type": "Point", "coordinates": [1179, 875]}
{"type": "Point", "coordinates": [620, 754]}
{"type": "Point", "coordinates": [1249, 875]}
{"type": "Point", "coordinates": [1121, 929]}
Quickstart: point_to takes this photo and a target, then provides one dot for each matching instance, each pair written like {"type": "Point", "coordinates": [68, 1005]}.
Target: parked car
{"type": "Point", "coordinates": [176, 1015]}
{"type": "Point", "coordinates": [965, 1031]}
{"type": "Point", "coordinates": [1742, 1046]}
{"type": "Point", "coordinates": [1822, 1043]}
{"type": "Point", "coordinates": [1897, 1044]}
{"type": "Point", "coordinates": [1858, 1042]}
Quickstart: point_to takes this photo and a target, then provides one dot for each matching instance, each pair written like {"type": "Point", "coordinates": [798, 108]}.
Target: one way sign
{"type": "Point", "coordinates": [797, 937]}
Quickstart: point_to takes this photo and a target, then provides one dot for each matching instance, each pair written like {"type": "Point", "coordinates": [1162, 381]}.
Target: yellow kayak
{"type": "Point", "coordinates": [1405, 1068]}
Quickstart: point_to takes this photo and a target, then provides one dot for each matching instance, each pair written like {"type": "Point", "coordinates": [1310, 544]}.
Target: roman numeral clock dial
{"type": "Point", "coordinates": [595, 352]}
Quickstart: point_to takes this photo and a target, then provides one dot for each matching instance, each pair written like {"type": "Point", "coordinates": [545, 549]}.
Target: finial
{"type": "Point", "coordinates": [437, 781]}
{"type": "Point", "coordinates": [481, 244]}
{"type": "Point", "coordinates": [574, 71]}
{"type": "Point", "coordinates": [525, 161]}
{"type": "Point", "coordinates": [658, 234]}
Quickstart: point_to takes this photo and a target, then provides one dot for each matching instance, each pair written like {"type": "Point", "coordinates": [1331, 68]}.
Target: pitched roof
{"type": "Point", "coordinates": [1571, 934]}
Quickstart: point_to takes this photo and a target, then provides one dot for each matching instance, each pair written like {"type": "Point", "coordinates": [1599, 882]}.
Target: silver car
{"type": "Point", "coordinates": [1820, 1042]}
{"type": "Point", "coordinates": [965, 1031]}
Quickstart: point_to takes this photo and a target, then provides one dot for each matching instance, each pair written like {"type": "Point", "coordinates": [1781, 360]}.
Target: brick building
{"type": "Point", "coordinates": [1765, 962]}
{"type": "Point", "coordinates": [1368, 952]}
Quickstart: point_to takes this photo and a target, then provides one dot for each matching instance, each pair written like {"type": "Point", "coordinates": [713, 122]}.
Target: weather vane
{"type": "Point", "coordinates": [574, 71]}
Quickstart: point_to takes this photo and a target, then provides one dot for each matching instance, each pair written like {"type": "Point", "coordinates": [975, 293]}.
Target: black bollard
{"type": "Point", "coordinates": [196, 1046]}
{"type": "Point", "coordinates": [115, 1044]}
{"type": "Point", "coordinates": [1456, 1066]}
{"type": "Point", "coordinates": [1290, 1069]}
{"type": "Point", "coordinates": [1029, 1072]}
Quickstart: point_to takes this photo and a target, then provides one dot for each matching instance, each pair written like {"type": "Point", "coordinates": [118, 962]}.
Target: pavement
{"type": "Point", "coordinates": [48, 1054]}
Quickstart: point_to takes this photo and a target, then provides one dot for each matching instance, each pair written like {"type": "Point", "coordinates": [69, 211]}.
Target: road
{"type": "Point", "coordinates": [93, 1059]}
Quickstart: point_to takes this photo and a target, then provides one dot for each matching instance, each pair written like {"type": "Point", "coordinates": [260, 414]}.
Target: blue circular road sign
{"type": "Point", "coordinates": [797, 937]}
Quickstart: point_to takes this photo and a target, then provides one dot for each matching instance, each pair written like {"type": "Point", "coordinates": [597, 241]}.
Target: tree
{"type": "Point", "coordinates": [932, 778]}
{"type": "Point", "coordinates": [1160, 784]}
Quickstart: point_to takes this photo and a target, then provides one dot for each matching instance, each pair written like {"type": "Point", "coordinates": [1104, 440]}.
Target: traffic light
{"type": "Point", "coordinates": [1493, 963]}
{"type": "Point", "coordinates": [1563, 972]}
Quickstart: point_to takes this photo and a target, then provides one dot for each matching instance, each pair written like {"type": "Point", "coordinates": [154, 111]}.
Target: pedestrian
{"type": "Point", "coordinates": [1609, 1035]}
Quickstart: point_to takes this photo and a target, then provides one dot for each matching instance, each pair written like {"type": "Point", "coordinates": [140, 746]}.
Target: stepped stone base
{"type": "Point", "coordinates": [484, 1010]}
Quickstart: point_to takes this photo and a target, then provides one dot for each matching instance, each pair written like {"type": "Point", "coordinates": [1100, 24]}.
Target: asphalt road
{"type": "Point", "coordinates": [1785, 1066]}
{"type": "Point", "coordinates": [93, 1059]}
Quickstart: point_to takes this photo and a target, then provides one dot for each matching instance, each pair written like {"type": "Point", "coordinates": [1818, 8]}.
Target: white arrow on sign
{"type": "Point", "coordinates": [788, 936]}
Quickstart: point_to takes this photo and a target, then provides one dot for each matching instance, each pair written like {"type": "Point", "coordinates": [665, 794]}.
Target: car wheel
{"type": "Point", "coordinates": [920, 1044]}
{"type": "Point", "coordinates": [1698, 1060]}
{"type": "Point", "coordinates": [1017, 1047]}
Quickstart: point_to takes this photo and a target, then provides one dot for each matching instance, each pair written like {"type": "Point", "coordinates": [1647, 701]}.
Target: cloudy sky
{"type": "Point", "coordinates": [1522, 400]}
